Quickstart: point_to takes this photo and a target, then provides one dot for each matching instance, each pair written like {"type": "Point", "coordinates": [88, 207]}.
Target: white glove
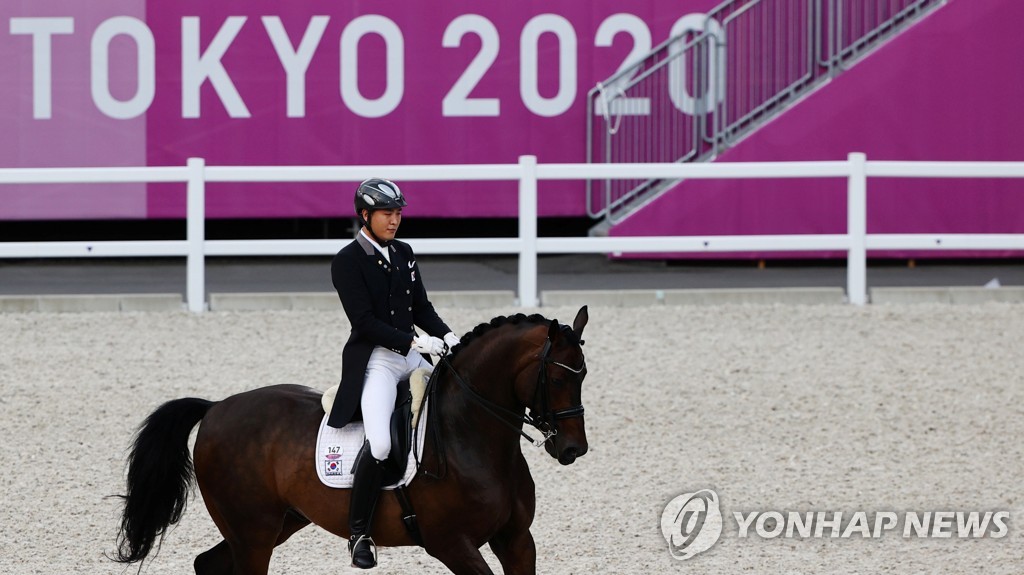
{"type": "Point", "coordinates": [428, 344]}
{"type": "Point", "coordinates": [451, 339]}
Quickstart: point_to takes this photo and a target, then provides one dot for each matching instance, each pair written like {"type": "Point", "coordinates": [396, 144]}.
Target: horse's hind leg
{"type": "Point", "coordinates": [218, 560]}
{"type": "Point", "coordinates": [215, 561]}
{"type": "Point", "coordinates": [225, 558]}
{"type": "Point", "coordinates": [293, 522]}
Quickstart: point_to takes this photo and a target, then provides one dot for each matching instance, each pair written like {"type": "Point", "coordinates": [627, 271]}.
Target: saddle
{"type": "Point", "coordinates": [401, 435]}
{"type": "Point", "coordinates": [404, 419]}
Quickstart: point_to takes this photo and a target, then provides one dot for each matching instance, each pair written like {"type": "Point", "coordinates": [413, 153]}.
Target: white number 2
{"type": "Point", "coordinates": [457, 102]}
{"type": "Point", "coordinates": [641, 35]}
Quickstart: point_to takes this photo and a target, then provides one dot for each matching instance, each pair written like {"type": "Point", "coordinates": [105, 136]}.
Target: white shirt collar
{"type": "Point", "coordinates": [383, 251]}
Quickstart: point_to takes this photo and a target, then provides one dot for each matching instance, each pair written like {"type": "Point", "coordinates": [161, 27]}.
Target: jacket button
{"type": "Point", "coordinates": [407, 292]}
{"type": "Point", "coordinates": [410, 308]}
{"type": "Point", "coordinates": [392, 312]}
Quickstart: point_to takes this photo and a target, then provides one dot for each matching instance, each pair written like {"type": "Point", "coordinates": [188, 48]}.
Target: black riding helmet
{"type": "Point", "coordinates": [377, 194]}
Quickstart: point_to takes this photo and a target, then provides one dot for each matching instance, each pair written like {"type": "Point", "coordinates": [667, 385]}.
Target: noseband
{"type": "Point", "coordinates": [547, 420]}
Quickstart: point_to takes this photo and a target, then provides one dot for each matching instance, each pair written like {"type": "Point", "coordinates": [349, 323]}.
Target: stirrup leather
{"type": "Point", "coordinates": [355, 542]}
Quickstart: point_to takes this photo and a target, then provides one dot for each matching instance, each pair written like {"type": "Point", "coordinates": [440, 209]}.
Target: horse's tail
{"type": "Point", "coordinates": [160, 476]}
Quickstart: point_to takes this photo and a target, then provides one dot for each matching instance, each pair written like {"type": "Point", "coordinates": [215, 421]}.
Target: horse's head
{"type": "Point", "coordinates": [557, 405]}
{"type": "Point", "coordinates": [544, 361]}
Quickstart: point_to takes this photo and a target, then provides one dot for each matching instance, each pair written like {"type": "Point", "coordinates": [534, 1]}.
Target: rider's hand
{"type": "Point", "coordinates": [451, 339]}
{"type": "Point", "coordinates": [428, 344]}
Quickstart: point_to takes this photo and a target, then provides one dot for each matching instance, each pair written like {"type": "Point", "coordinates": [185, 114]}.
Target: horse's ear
{"type": "Point", "coordinates": [553, 330]}
{"type": "Point", "coordinates": [580, 322]}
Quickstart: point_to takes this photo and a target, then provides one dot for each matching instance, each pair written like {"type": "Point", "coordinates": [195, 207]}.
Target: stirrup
{"type": "Point", "coordinates": [353, 545]}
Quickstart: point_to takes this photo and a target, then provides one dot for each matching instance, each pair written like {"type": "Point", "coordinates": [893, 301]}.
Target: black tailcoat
{"type": "Point", "coordinates": [382, 301]}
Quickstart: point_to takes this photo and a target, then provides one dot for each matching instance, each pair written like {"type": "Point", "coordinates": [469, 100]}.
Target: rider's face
{"type": "Point", "coordinates": [384, 223]}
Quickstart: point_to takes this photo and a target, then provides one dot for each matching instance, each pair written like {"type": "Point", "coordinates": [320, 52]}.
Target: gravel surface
{"type": "Point", "coordinates": [837, 409]}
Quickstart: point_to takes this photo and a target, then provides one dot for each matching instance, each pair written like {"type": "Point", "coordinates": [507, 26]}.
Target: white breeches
{"type": "Point", "coordinates": [380, 388]}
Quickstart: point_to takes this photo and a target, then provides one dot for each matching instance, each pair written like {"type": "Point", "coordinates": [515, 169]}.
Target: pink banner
{"type": "Point", "coordinates": [133, 83]}
{"type": "Point", "coordinates": [933, 93]}
{"type": "Point", "coordinates": [47, 112]}
{"type": "Point", "coordinates": [303, 83]}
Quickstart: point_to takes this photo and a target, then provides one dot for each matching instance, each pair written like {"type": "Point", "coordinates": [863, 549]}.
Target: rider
{"type": "Point", "coordinates": [382, 292]}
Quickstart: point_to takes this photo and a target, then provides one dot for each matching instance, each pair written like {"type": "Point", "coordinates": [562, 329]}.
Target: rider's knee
{"type": "Point", "coordinates": [380, 450]}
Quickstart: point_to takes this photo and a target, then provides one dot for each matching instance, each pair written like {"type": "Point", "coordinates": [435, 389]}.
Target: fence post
{"type": "Point", "coordinates": [528, 231]}
{"type": "Point", "coordinates": [856, 229]}
{"type": "Point", "coordinates": [195, 235]}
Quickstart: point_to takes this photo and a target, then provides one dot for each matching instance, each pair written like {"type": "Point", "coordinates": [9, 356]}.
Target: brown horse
{"type": "Point", "coordinates": [254, 458]}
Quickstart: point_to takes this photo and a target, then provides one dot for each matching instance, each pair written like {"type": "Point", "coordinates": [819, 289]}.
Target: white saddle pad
{"type": "Point", "coordinates": [336, 451]}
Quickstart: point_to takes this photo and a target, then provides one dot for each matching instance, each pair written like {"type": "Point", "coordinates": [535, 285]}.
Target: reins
{"type": "Point", "coordinates": [500, 412]}
{"type": "Point", "coordinates": [507, 417]}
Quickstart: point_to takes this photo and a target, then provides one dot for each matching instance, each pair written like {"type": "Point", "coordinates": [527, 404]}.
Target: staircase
{"type": "Point", "coordinates": [720, 77]}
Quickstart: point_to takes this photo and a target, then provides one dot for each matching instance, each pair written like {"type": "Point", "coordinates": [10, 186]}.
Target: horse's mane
{"type": "Point", "coordinates": [519, 318]}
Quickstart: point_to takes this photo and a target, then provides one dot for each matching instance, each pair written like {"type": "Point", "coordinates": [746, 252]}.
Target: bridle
{"type": "Point", "coordinates": [549, 419]}
{"type": "Point", "coordinates": [546, 422]}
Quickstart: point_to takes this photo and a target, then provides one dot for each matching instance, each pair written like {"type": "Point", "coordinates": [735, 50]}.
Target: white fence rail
{"type": "Point", "coordinates": [856, 241]}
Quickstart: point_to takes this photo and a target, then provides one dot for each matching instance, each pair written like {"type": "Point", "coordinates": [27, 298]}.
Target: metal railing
{"type": "Point", "coordinates": [717, 79]}
{"type": "Point", "coordinates": [195, 247]}
{"type": "Point", "coordinates": [847, 29]}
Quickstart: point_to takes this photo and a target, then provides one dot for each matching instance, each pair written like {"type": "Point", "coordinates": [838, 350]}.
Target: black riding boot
{"type": "Point", "coordinates": [366, 485]}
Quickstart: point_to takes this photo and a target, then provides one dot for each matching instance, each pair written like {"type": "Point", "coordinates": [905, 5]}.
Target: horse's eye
{"type": "Point", "coordinates": [558, 381]}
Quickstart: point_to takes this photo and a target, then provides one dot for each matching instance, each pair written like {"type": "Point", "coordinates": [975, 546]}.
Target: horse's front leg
{"type": "Point", "coordinates": [513, 545]}
{"type": "Point", "coordinates": [462, 558]}
{"type": "Point", "coordinates": [516, 551]}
